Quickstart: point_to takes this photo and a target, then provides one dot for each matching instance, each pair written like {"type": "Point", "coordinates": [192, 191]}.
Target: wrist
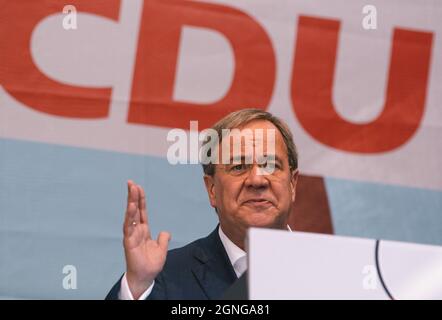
{"type": "Point", "coordinates": [138, 286]}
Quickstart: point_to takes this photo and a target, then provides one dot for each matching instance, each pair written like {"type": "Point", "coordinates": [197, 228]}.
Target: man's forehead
{"type": "Point", "coordinates": [258, 136]}
{"type": "Point", "coordinates": [256, 132]}
{"type": "Point", "coordinates": [256, 124]}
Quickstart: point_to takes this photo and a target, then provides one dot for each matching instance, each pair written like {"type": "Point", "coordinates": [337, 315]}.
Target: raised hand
{"type": "Point", "coordinates": [145, 257]}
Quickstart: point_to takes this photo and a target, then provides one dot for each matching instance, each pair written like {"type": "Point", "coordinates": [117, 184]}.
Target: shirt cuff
{"type": "Point", "coordinates": [125, 293]}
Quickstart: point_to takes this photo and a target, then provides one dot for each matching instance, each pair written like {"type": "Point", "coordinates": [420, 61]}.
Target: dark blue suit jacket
{"type": "Point", "coordinates": [199, 270]}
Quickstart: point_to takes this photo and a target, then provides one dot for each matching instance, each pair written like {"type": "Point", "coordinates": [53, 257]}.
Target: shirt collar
{"type": "Point", "coordinates": [233, 251]}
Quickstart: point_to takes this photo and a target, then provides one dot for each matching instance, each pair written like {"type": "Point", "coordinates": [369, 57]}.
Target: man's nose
{"type": "Point", "coordinates": [256, 178]}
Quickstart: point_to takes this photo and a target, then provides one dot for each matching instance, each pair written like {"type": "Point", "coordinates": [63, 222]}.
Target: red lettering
{"type": "Point", "coordinates": [25, 82]}
{"type": "Point", "coordinates": [312, 85]}
{"type": "Point", "coordinates": [154, 77]}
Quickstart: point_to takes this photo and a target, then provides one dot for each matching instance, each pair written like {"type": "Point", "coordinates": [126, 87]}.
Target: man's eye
{"type": "Point", "coordinates": [238, 167]}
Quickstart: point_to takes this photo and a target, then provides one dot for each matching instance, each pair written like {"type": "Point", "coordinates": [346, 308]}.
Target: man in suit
{"type": "Point", "coordinates": [244, 191]}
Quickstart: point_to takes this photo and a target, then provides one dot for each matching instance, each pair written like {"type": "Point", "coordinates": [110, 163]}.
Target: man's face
{"type": "Point", "coordinates": [244, 195]}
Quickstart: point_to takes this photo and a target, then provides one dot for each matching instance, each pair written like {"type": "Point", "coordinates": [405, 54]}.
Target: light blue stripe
{"type": "Point", "coordinates": [61, 205]}
{"type": "Point", "coordinates": [65, 206]}
{"type": "Point", "coordinates": [388, 212]}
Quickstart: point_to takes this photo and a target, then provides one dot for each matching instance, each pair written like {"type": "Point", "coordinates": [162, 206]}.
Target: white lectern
{"type": "Point", "coordinates": [299, 265]}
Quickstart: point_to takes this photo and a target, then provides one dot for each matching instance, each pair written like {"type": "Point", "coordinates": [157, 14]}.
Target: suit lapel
{"type": "Point", "coordinates": [212, 267]}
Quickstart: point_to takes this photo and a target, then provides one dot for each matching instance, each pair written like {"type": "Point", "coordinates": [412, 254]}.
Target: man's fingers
{"type": "Point", "coordinates": [143, 210]}
{"type": "Point", "coordinates": [129, 184]}
{"type": "Point", "coordinates": [163, 240]}
{"type": "Point", "coordinates": [132, 193]}
{"type": "Point", "coordinates": [132, 217]}
{"type": "Point", "coordinates": [142, 205]}
{"type": "Point", "coordinates": [131, 220]}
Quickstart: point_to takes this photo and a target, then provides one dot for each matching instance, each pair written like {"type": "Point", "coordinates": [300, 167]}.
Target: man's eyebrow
{"type": "Point", "coordinates": [243, 158]}
{"type": "Point", "coordinates": [273, 156]}
{"type": "Point", "coordinates": [239, 158]}
{"type": "Point", "coordinates": [278, 159]}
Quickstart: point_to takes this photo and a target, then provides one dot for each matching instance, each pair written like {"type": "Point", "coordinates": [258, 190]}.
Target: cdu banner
{"type": "Point", "coordinates": [90, 90]}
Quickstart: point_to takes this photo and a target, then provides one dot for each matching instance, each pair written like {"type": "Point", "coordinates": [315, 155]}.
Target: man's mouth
{"type": "Point", "coordinates": [258, 203]}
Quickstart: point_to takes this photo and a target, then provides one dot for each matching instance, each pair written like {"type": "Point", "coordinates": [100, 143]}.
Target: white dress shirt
{"type": "Point", "coordinates": [236, 255]}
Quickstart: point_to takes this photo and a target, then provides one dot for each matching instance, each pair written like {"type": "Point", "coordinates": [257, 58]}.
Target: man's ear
{"type": "Point", "coordinates": [209, 181]}
{"type": "Point", "coordinates": [293, 181]}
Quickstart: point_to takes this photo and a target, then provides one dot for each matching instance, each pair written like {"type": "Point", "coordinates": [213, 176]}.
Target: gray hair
{"type": "Point", "coordinates": [239, 118]}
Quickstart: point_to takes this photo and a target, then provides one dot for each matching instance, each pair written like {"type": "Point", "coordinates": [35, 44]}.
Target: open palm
{"type": "Point", "coordinates": [145, 257]}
